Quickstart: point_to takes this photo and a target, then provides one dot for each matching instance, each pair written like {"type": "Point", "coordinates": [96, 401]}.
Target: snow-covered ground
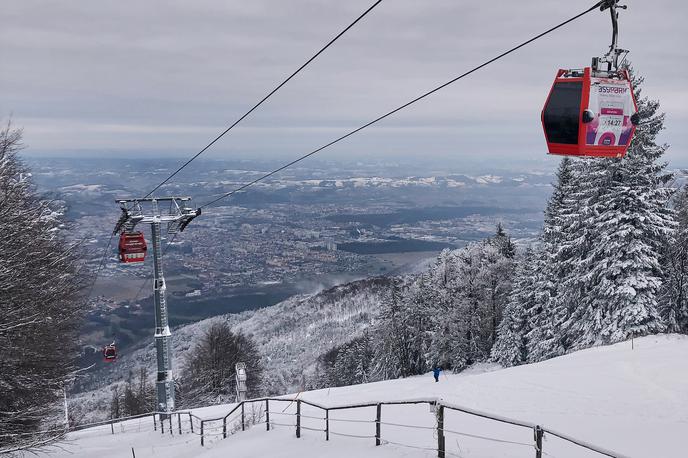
{"type": "Point", "coordinates": [632, 401]}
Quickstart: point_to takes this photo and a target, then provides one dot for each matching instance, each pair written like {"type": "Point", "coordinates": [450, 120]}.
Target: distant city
{"type": "Point", "coordinates": [312, 228]}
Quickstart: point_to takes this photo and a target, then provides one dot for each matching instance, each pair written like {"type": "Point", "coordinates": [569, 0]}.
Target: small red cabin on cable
{"type": "Point", "coordinates": [587, 115]}
{"type": "Point", "coordinates": [132, 247]}
{"type": "Point", "coordinates": [109, 353]}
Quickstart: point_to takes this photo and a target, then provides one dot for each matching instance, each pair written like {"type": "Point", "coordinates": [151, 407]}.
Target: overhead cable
{"type": "Point", "coordinates": [407, 104]}
{"type": "Point", "coordinates": [279, 86]}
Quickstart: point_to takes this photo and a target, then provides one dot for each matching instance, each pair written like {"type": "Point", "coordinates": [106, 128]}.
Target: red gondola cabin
{"type": "Point", "coordinates": [132, 247]}
{"type": "Point", "coordinates": [587, 115]}
{"type": "Point", "coordinates": [109, 353]}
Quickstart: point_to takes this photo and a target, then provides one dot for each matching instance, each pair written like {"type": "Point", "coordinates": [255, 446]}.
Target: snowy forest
{"type": "Point", "coordinates": [610, 264]}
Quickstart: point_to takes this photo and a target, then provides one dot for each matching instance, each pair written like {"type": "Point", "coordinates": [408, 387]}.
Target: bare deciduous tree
{"type": "Point", "coordinates": [40, 308]}
{"type": "Point", "coordinates": [208, 373]}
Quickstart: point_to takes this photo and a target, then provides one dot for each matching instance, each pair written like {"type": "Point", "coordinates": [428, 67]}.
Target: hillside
{"type": "Point", "coordinates": [631, 401]}
{"type": "Point", "coordinates": [290, 335]}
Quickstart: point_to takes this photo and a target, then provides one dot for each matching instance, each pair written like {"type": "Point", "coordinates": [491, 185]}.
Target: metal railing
{"type": "Point", "coordinates": [208, 428]}
{"type": "Point", "coordinates": [244, 414]}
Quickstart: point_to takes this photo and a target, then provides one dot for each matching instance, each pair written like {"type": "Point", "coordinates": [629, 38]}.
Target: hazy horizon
{"type": "Point", "coordinates": [124, 78]}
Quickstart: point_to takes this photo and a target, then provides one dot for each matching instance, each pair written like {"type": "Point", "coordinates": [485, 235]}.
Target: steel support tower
{"type": "Point", "coordinates": [177, 217]}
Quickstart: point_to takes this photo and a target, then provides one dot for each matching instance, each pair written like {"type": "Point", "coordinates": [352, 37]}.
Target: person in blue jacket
{"type": "Point", "coordinates": [436, 373]}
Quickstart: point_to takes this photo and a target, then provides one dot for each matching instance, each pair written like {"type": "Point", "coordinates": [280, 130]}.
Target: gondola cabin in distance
{"type": "Point", "coordinates": [132, 247]}
{"type": "Point", "coordinates": [590, 115]}
{"type": "Point", "coordinates": [110, 353]}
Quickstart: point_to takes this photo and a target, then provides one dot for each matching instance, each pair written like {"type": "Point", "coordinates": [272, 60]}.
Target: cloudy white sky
{"type": "Point", "coordinates": [164, 77]}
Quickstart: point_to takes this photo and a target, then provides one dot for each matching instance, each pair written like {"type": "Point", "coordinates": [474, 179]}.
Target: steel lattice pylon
{"type": "Point", "coordinates": [147, 211]}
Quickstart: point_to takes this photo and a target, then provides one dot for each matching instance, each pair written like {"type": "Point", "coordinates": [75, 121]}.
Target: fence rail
{"type": "Point", "coordinates": [188, 422]}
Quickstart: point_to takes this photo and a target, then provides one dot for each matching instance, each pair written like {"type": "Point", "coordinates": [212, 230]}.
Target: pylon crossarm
{"type": "Point", "coordinates": [136, 211]}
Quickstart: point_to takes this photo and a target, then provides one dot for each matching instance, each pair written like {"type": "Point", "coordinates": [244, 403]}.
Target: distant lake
{"type": "Point", "coordinates": [130, 324]}
{"type": "Point", "coordinates": [393, 246]}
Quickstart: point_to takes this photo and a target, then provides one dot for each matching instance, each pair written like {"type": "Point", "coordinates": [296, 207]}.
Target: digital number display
{"type": "Point", "coordinates": [616, 121]}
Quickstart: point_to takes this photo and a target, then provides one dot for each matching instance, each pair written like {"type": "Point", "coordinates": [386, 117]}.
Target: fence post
{"type": "Point", "coordinates": [155, 423]}
{"type": "Point", "coordinates": [202, 421]}
{"type": "Point", "coordinates": [191, 422]}
{"type": "Point", "coordinates": [377, 424]}
{"type": "Point", "coordinates": [112, 427]}
{"type": "Point", "coordinates": [179, 421]}
{"type": "Point", "coordinates": [162, 425]}
{"type": "Point", "coordinates": [243, 423]}
{"type": "Point", "coordinates": [538, 441]}
{"type": "Point", "coordinates": [267, 414]}
{"type": "Point", "coordinates": [224, 427]}
{"type": "Point", "coordinates": [327, 424]}
{"type": "Point", "coordinates": [440, 430]}
{"type": "Point", "coordinates": [171, 428]}
{"type": "Point", "coordinates": [298, 418]}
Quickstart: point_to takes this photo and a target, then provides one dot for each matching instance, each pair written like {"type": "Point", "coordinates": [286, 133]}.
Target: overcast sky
{"type": "Point", "coordinates": [164, 77]}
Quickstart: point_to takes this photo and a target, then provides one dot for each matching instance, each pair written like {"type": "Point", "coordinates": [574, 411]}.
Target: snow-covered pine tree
{"type": "Point", "coordinates": [465, 292]}
{"type": "Point", "coordinates": [482, 285]}
{"type": "Point", "coordinates": [419, 310]}
{"type": "Point", "coordinates": [354, 362]}
{"type": "Point", "coordinates": [497, 278]}
{"type": "Point", "coordinates": [618, 277]}
{"type": "Point", "coordinates": [510, 347]}
{"type": "Point", "coordinates": [674, 307]}
{"type": "Point", "coordinates": [391, 334]}
{"type": "Point", "coordinates": [503, 243]}
{"type": "Point", "coordinates": [544, 314]}
{"type": "Point", "coordinates": [471, 292]}
{"type": "Point", "coordinates": [363, 357]}
{"type": "Point", "coordinates": [552, 288]}
{"type": "Point", "coordinates": [556, 205]}
{"type": "Point", "coordinates": [446, 338]}
{"type": "Point", "coordinates": [324, 372]}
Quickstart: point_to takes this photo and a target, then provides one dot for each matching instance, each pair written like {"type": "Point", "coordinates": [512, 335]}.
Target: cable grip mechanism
{"type": "Point", "coordinates": [609, 63]}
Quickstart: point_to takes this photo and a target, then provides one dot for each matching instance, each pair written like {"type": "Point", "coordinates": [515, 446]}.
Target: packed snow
{"type": "Point", "coordinates": [629, 398]}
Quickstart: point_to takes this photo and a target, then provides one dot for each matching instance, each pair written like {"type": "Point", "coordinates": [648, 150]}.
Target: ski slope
{"type": "Point", "coordinates": [631, 401]}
